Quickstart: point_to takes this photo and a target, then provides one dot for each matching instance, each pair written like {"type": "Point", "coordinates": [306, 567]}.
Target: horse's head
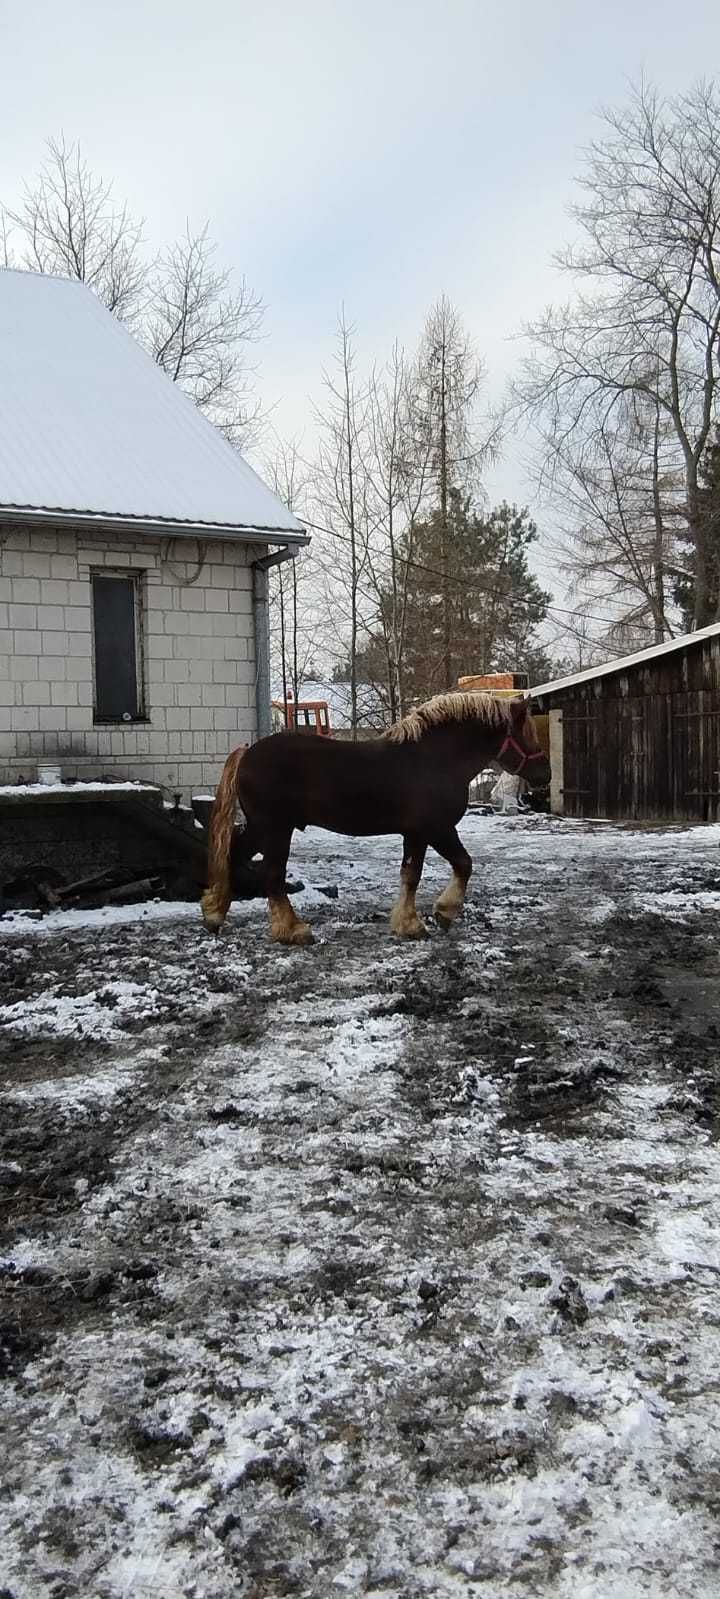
{"type": "Point", "coordinates": [519, 752]}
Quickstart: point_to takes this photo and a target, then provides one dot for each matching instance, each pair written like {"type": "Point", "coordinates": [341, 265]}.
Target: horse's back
{"type": "Point", "coordinates": [303, 779]}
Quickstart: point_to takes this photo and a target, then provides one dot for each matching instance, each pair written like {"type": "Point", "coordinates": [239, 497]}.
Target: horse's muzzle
{"type": "Point", "coordinates": [538, 773]}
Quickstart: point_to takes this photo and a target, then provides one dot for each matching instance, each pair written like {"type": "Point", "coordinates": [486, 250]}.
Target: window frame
{"type": "Point", "coordinates": [136, 578]}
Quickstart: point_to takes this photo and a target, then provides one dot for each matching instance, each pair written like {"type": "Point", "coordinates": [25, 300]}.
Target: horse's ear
{"type": "Point", "coordinates": [519, 710]}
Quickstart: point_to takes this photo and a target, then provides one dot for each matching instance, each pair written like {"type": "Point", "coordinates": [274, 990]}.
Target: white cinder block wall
{"type": "Point", "coordinates": [198, 657]}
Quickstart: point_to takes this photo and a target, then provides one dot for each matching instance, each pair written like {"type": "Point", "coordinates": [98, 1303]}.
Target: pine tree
{"type": "Point", "coordinates": [475, 568]}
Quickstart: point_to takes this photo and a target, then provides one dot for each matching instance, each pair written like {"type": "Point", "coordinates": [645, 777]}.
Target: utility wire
{"type": "Point", "coordinates": [492, 593]}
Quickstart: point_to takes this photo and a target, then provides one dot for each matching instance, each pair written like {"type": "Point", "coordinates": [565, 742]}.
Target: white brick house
{"type": "Point", "coordinates": [134, 547]}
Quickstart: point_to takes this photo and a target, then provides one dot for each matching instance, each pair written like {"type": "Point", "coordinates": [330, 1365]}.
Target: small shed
{"type": "Point", "coordinates": [638, 739]}
{"type": "Point", "coordinates": [134, 549]}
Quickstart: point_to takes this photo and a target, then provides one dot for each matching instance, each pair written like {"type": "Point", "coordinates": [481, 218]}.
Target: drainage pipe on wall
{"type": "Point", "coordinates": [261, 619]}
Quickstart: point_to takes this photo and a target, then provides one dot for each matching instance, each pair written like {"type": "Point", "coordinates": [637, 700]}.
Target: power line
{"type": "Point", "coordinates": [496, 593]}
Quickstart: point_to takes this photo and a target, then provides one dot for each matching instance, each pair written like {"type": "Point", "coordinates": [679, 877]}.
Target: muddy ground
{"type": "Point", "coordinates": [370, 1268]}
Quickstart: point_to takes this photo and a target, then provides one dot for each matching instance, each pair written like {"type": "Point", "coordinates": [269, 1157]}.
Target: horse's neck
{"type": "Point", "coordinates": [467, 744]}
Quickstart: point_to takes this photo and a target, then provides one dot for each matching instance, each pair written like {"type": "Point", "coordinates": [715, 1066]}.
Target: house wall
{"type": "Point", "coordinates": [642, 744]}
{"type": "Point", "coordinates": [198, 657]}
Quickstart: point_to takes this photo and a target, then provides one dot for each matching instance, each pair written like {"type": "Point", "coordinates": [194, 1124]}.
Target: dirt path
{"type": "Point", "coordinates": [370, 1269]}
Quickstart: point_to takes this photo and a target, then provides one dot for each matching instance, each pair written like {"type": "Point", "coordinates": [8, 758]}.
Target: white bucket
{"type": "Point", "coordinates": [49, 774]}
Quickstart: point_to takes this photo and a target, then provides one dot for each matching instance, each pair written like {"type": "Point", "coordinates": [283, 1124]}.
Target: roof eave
{"type": "Point", "coordinates": [100, 522]}
{"type": "Point", "coordinates": [626, 663]}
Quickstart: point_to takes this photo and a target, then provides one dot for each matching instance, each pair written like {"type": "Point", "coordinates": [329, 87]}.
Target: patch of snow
{"type": "Point", "coordinates": [72, 1093]}
{"type": "Point", "coordinates": [100, 1014]}
{"type": "Point", "coordinates": [27, 923]}
{"type": "Point", "coordinates": [360, 1048]}
{"type": "Point", "coordinates": [677, 906]}
{"type": "Point", "coordinates": [20, 922]}
{"type": "Point", "coordinates": [77, 788]}
{"type": "Point", "coordinates": [601, 911]}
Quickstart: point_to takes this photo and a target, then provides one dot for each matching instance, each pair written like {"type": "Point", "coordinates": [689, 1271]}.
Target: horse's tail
{"type": "Point", "coordinates": [217, 896]}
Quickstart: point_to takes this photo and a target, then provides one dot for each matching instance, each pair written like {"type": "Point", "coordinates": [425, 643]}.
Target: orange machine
{"type": "Point", "coordinates": [507, 685]}
{"type": "Point", "coordinates": [304, 716]}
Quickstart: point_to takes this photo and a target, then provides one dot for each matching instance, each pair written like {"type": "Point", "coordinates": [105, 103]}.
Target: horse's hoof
{"type": "Point", "coordinates": [296, 937]}
{"type": "Point", "coordinates": [416, 930]}
{"type": "Point", "coordinates": [213, 912]}
{"type": "Point", "coordinates": [444, 922]}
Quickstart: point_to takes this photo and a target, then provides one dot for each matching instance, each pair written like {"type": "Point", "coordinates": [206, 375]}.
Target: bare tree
{"type": "Point", "coordinates": [294, 610]}
{"type": "Point", "coordinates": [574, 645]}
{"type": "Point", "coordinates": [617, 500]}
{"type": "Point", "coordinates": [198, 327]}
{"type": "Point", "coordinates": [69, 224]}
{"type": "Point", "coordinates": [646, 324]}
{"type": "Point", "coordinates": [396, 460]}
{"type": "Point", "coordinates": [342, 495]}
{"type": "Point", "coordinates": [182, 307]}
{"type": "Point", "coordinates": [6, 254]}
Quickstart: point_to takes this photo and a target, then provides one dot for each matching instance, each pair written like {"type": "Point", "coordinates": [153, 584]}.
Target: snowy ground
{"type": "Point", "coordinates": [370, 1269]}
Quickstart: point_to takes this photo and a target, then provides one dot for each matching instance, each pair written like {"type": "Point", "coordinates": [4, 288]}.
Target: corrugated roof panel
{"type": "Point", "coordinates": [624, 662]}
{"type": "Point", "coordinates": [89, 424]}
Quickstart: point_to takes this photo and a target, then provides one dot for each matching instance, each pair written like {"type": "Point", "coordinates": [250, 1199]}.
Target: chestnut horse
{"type": "Point", "coordinates": [413, 780]}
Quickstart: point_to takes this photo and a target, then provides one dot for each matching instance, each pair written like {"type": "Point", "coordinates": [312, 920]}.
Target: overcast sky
{"type": "Point", "coordinates": [372, 153]}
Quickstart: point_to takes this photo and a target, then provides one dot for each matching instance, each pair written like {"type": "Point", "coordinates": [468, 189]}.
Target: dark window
{"type": "Point", "coordinates": [118, 691]}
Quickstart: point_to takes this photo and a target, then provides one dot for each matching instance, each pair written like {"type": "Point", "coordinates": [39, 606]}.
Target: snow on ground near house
{"type": "Point", "coordinates": [370, 1268]}
{"type": "Point", "coordinates": [23, 789]}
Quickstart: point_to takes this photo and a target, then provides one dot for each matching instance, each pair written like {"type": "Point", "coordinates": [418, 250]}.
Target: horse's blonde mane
{"type": "Point", "coordinates": [478, 707]}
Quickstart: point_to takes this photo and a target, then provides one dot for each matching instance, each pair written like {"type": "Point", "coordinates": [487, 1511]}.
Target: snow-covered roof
{"type": "Point", "coordinates": [624, 662]}
{"type": "Point", "coordinates": [92, 429]}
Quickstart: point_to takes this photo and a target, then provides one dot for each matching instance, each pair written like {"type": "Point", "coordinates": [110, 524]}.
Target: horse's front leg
{"type": "Point", "coordinates": [404, 920]}
{"type": "Point", "coordinates": [449, 904]}
{"type": "Point", "coordinates": [285, 926]}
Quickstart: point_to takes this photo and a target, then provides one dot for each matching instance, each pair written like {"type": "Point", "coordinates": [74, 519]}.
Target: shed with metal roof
{"type": "Point", "coordinates": [638, 738]}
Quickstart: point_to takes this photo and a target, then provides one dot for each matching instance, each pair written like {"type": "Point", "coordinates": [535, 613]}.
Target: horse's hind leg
{"type": "Point", "coordinates": [404, 919]}
{"type": "Point", "coordinates": [449, 904]}
{"type": "Point", "coordinates": [285, 926]}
